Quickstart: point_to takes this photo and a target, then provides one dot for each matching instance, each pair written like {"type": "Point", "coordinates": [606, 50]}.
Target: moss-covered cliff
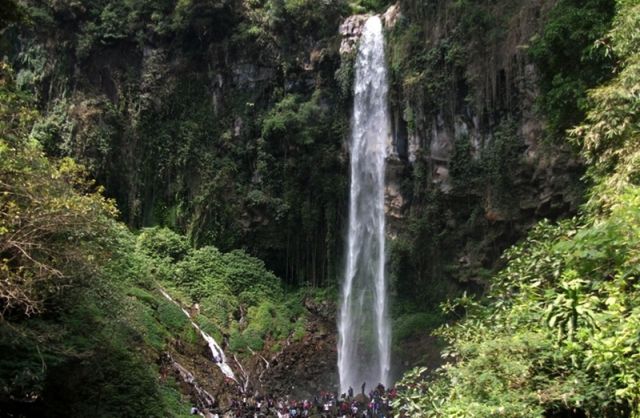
{"type": "Point", "coordinates": [220, 118]}
{"type": "Point", "coordinates": [477, 161]}
{"type": "Point", "coordinates": [228, 120]}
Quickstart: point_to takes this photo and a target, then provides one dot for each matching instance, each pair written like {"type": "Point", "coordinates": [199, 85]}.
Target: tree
{"type": "Point", "coordinates": [52, 218]}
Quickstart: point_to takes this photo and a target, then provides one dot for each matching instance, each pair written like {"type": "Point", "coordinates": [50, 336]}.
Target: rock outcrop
{"type": "Point", "coordinates": [350, 30]}
{"type": "Point", "coordinates": [463, 115]}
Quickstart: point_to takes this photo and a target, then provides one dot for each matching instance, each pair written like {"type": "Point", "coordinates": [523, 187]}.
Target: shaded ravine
{"type": "Point", "coordinates": [363, 323]}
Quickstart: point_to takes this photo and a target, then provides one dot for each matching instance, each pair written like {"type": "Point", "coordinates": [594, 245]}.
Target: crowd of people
{"type": "Point", "coordinates": [377, 404]}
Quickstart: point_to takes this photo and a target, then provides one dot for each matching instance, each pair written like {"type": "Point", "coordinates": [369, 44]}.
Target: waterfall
{"type": "Point", "coordinates": [217, 355]}
{"type": "Point", "coordinates": [364, 341]}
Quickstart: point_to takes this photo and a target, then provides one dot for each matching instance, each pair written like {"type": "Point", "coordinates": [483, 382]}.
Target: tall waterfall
{"type": "Point", "coordinates": [364, 330]}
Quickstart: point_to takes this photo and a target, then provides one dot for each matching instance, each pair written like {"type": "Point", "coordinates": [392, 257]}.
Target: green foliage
{"type": "Point", "coordinates": [422, 75]}
{"type": "Point", "coordinates": [408, 325]}
{"type": "Point", "coordinates": [269, 318]}
{"type": "Point", "coordinates": [572, 59]}
{"type": "Point", "coordinates": [571, 309]}
{"type": "Point", "coordinates": [224, 285]}
{"type": "Point", "coordinates": [507, 356]}
{"type": "Point", "coordinates": [441, 79]}
{"type": "Point", "coordinates": [176, 406]}
{"type": "Point", "coordinates": [163, 243]}
{"type": "Point", "coordinates": [248, 278]}
{"type": "Point", "coordinates": [171, 316]}
{"type": "Point", "coordinates": [219, 309]}
{"type": "Point", "coordinates": [299, 330]}
{"type": "Point", "coordinates": [308, 15]}
{"type": "Point", "coordinates": [493, 167]}
{"type": "Point", "coordinates": [345, 75]}
{"type": "Point", "coordinates": [557, 333]}
{"type": "Point", "coordinates": [500, 157]}
{"type": "Point", "coordinates": [364, 6]}
{"type": "Point", "coordinates": [203, 273]}
{"type": "Point", "coordinates": [297, 155]}
{"type": "Point", "coordinates": [609, 133]}
{"type": "Point", "coordinates": [53, 220]}
{"type": "Point", "coordinates": [72, 341]}
{"type": "Point", "coordinates": [107, 23]}
{"type": "Point", "coordinates": [185, 150]}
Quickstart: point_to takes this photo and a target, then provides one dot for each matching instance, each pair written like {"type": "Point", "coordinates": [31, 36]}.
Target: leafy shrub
{"type": "Point", "coordinates": [219, 309]}
{"type": "Point", "coordinates": [172, 399]}
{"type": "Point", "coordinates": [569, 59]}
{"type": "Point", "coordinates": [299, 329]}
{"type": "Point", "coordinates": [203, 273]}
{"type": "Point", "coordinates": [143, 296]}
{"type": "Point", "coordinates": [406, 326]}
{"type": "Point", "coordinates": [163, 243]}
{"type": "Point", "coordinates": [147, 325]}
{"type": "Point", "coordinates": [248, 277]}
{"type": "Point", "coordinates": [171, 316]}
{"type": "Point", "coordinates": [54, 225]}
{"type": "Point", "coordinates": [557, 333]}
{"type": "Point", "coordinates": [237, 341]}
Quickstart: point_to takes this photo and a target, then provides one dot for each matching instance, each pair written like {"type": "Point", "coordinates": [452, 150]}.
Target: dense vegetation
{"type": "Point", "coordinates": [217, 129]}
{"type": "Point", "coordinates": [557, 335]}
{"type": "Point", "coordinates": [82, 323]}
{"type": "Point", "coordinates": [213, 118]}
{"type": "Point", "coordinates": [66, 337]}
{"type": "Point", "coordinates": [226, 121]}
{"type": "Point", "coordinates": [461, 89]}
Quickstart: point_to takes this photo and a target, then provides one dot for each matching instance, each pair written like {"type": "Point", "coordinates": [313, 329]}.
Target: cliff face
{"type": "Point", "coordinates": [472, 168]}
{"type": "Point", "coordinates": [221, 118]}
{"type": "Point", "coordinates": [228, 119]}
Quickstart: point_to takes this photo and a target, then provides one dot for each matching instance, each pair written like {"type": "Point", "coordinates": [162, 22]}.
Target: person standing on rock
{"type": "Point", "coordinates": [364, 384]}
{"type": "Point", "coordinates": [350, 392]}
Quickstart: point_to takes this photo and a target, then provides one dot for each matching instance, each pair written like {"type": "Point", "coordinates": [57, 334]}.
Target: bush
{"type": "Point", "coordinates": [171, 316]}
{"type": "Point", "coordinates": [408, 325]}
{"type": "Point", "coordinates": [203, 273]}
{"type": "Point", "coordinates": [248, 277]}
{"type": "Point", "coordinates": [143, 296]}
{"type": "Point", "coordinates": [163, 243]}
{"type": "Point", "coordinates": [569, 61]}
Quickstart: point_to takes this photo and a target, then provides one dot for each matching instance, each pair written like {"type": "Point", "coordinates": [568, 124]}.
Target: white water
{"type": "Point", "coordinates": [216, 351]}
{"type": "Point", "coordinates": [205, 399]}
{"type": "Point", "coordinates": [363, 324]}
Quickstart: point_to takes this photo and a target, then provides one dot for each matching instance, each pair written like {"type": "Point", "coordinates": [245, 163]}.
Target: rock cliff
{"type": "Point", "coordinates": [229, 120]}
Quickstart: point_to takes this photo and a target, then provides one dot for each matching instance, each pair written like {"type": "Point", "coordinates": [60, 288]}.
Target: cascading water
{"type": "Point", "coordinates": [364, 331]}
{"type": "Point", "coordinates": [216, 351]}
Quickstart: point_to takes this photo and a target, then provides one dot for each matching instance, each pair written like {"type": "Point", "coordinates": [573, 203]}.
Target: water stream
{"type": "Point", "coordinates": [216, 351]}
{"type": "Point", "coordinates": [364, 340]}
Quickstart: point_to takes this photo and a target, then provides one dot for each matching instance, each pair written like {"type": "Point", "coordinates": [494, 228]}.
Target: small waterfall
{"type": "Point", "coordinates": [364, 331]}
{"type": "Point", "coordinates": [216, 351]}
{"type": "Point", "coordinates": [204, 399]}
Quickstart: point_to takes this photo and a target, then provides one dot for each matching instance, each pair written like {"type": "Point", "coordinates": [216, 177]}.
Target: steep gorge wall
{"type": "Point", "coordinates": [221, 118]}
{"type": "Point", "coordinates": [229, 119]}
{"type": "Point", "coordinates": [473, 167]}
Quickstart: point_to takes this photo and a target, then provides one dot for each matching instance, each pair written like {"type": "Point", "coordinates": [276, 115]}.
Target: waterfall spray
{"type": "Point", "coordinates": [364, 341]}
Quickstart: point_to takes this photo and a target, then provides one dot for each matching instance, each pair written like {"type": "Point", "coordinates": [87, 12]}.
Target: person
{"type": "Point", "coordinates": [364, 384]}
{"type": "Point", "coordinates": [350, 392]}
{"type": "Point", "coordinates": [194, 410]}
